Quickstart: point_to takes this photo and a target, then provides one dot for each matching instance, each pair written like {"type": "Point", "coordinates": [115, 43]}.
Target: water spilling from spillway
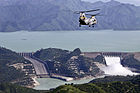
{"type": "Point", "coordinates": [114, 67]}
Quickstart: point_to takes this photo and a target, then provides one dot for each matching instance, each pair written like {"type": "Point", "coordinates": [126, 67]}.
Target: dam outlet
{"type": "Point", "coordinates": [114, 67]}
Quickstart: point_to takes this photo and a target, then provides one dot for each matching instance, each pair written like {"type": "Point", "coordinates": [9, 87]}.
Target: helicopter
{"type": "Point", "coordinates": [83, 20]}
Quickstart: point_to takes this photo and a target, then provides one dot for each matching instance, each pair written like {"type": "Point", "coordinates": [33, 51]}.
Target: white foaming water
{"type": "Point", "coordinates": [114, 67]}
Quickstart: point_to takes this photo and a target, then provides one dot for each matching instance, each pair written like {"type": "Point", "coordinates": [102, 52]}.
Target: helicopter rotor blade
{"type": "Point", "coordinates": [98, 14]}
{"type": "Point", "coordinates": [78, 12]}
{"type": "Point", "coordinates": [92, 10]}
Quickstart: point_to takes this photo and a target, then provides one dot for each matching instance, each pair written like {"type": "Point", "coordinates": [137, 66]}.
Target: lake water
{"type": "Point", "coordinates": [87, 41]}
{"type": "Point", "coordinates": [48, 83]}
{"type": "Point", "coordinates": [92, 41]}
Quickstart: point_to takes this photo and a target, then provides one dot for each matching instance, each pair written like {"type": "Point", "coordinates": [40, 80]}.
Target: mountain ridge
{"type": "Point", "coordinates": [49, 15]}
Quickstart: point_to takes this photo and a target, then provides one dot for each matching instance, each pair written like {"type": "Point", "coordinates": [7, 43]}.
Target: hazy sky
{"type": "Point", "coordinates": [136, 2]}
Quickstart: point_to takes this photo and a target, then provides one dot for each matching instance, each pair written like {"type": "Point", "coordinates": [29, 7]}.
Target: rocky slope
{"type": "Point", "coordinates": [131, 60]}
{"type": "Point", "coordinates": [68, 63]}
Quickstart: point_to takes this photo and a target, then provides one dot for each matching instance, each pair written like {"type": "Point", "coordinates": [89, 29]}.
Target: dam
{"type": "Point", "coordinates": [41, 68]}
{"type": "Point", "coordinates": [111, 59]}
{"type": "Point", "coordinates": [113, 65]}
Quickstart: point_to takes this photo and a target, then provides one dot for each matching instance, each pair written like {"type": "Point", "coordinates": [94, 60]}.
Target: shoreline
{"type": "Point", "coordinates": [90, 77]}
{"type": "Point", "coordinates": [47, 85]}
{"type": "Point", "coordinates": [36, 83]}
{"type": "Point", "coordinates": [96, 30]}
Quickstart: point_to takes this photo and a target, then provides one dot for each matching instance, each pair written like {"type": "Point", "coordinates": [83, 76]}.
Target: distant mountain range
{"type": "Point", "coordinates": [48, 15]}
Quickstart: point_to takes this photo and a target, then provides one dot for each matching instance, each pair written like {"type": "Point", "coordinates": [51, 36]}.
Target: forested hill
{"type": "Point", "coordinates": [7, 72]}
{"type": "Point", "coordinates": [10, 68]}
{"type": "Point", "coordinates": [46, 15]}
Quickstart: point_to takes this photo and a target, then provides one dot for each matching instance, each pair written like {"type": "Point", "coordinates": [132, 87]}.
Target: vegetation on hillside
{"type": "Point", "coordinates": [11, 88]}
{"type": "Point", "coordinates": [8, 73]}
{"type": "Point", "coordinates": [109, 84]}
{"type": "Point", "coordinates": [118, 86]}
{"type": "Point", "coordinates": [112, 78]}
{"type": "Point", "coordinates": [67, 63]}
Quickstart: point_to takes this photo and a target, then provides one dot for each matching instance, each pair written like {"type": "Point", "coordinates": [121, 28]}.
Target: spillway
{"type": "Point", "coordinates": [114, 67]}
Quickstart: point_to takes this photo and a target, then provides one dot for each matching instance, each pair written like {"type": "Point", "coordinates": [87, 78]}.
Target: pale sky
{"type": "Point", "coordinates": [136, 2]}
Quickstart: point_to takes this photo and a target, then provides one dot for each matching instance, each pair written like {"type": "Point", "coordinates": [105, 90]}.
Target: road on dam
{"type": "Point", "coordinates": [39, 67]}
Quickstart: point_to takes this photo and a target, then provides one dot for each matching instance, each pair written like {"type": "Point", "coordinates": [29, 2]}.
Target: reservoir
{"type": "Point", "coordinates": [87, 41]}
{"type": "Point", "coordinates": [48, 83]}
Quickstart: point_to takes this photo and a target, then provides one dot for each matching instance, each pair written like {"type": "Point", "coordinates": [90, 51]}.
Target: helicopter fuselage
{"type": "Point", "coordinates": [83, 20]}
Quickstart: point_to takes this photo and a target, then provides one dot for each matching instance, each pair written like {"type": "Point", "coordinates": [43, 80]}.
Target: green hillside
{"type": "Point", "coordinates": [128, 86]}
{"type": "Point", "coordinates": [8, 73]}
{"type": "Point", "coordinates": [11, 88]}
